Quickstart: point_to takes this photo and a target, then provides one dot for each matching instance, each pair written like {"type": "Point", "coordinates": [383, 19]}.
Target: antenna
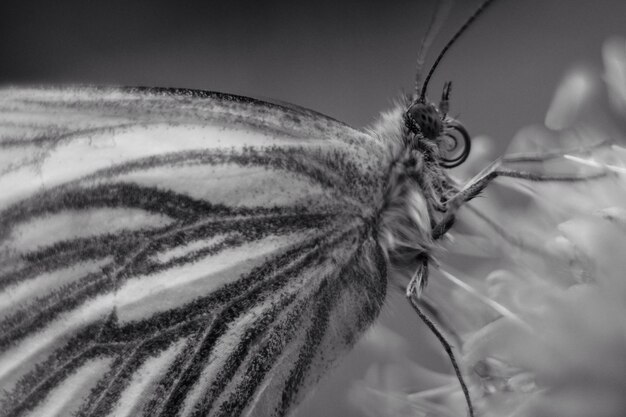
{"type": "Point", "coordinates": [436, 21]}
{"type": "Point", "coordinates": [479, 10]}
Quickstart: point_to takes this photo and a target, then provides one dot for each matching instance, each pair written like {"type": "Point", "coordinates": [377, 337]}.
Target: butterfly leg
{"type": "Point", "coordinates": [412, 293]}
{"type": "Point", "coordinates": [475, 186]}
{"type": "Point", "coordinates": [419, 278]}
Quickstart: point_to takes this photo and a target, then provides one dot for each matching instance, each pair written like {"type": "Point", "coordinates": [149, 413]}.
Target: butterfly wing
{"type": "Point", "coordinates": [175, 252]}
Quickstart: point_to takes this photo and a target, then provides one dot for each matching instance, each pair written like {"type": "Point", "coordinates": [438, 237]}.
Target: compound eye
{"type": "Point", "coordinates": [456, 145]}
{"type": "Point", "coordinates": [423, 118]}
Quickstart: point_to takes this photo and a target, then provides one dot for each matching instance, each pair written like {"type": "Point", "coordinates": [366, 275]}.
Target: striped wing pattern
{"type": "Point", "coordinates": [179, 253]}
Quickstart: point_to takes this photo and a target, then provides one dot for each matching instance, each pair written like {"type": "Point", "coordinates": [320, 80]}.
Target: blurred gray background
{"type": "Point", "coordinates": [345, 59]}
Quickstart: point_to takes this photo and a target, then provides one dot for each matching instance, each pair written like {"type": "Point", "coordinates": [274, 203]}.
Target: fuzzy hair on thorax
{"type": "Point", "coordinates": [416, 190]}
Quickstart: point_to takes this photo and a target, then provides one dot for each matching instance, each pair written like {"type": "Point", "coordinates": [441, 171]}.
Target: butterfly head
{"type": "Point", "coordinates": [430, 122]}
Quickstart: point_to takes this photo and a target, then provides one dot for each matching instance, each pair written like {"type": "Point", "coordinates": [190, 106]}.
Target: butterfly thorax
{"type": "Point", "coordinates": [417, 188]}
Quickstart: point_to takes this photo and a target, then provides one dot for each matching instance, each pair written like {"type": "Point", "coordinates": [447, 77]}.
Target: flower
{"type": "Point", "coordinates": [533, 290]}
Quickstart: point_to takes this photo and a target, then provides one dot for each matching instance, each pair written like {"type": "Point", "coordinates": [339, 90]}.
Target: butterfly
{"type": "Point", "coordinates": [179, 252]}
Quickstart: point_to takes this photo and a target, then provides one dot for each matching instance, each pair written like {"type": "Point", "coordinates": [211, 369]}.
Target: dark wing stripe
{"type": "Point", "coordinates": [44, 143]}
{"type": "Point", "coordinates": [260, 362]}
{"type": "Point", "coordinates": [89, 350]}
{"type": "Point", "coordinates": [149, 104]}
{"type": "Point", "coordinates": [311, 162]}
{"type": "Point", "coordinates": [212, 109]}
{"type": "Point", "coordinates": [61, 254]}
{"type": "Point", "coordinates": [234, 359]}
{"type": "Point", "coordinates": [258, 298]}
{"type": "Point", "coordinates": [207, 305]}
{"type": "Point", "coordinates": [332, 316]}
{"type": "Point", "coordinates": [33, 387]}
{"type": "Point", "coordinates": [306, 294]}
{"type": "Point", "coordinates": [265, 358]}
{"type": "Point", "coordinates": [151, 200]}
{"type": "Point", "coordinates": [68, 297]}
{"type": "Point", "coordinates": [231, 363]}
{"type": "Point", "coordinates": [198, 251]}
{"type": "Point", "coordinates": [321, 305]}
{"type": "Point", "coordinates": [176, 205]}
{"type": "Point", "coordinates": [140, 384]}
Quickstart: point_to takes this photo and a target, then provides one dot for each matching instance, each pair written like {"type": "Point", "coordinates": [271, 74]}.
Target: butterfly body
{"type": "Point", "coordinates": [176, 252]}
{"type": "Point", "coordinates": [417, 188]}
